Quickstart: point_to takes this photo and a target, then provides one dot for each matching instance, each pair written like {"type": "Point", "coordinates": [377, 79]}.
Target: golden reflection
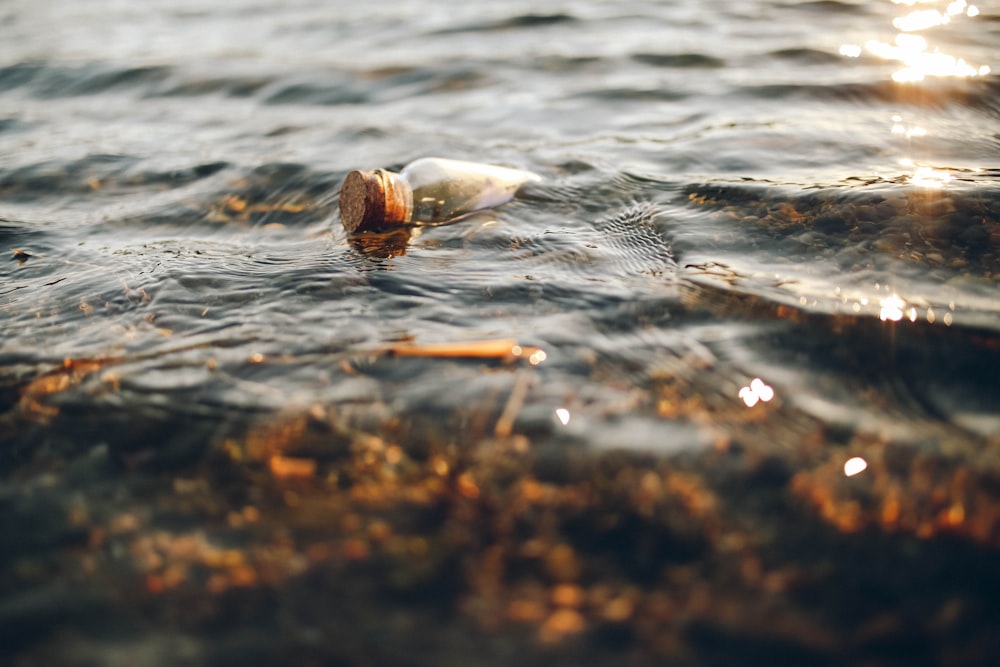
{"type": "Point", "coordinates": [757, 391]}
{"type": "Point", "coordinates": [383, 245]}
{"type": "Point", "coordinates": [928, 177]}
{"type": "Point", "coordinates": [919, 60]}
{"type": "Point", "coordinates": [919, 63]}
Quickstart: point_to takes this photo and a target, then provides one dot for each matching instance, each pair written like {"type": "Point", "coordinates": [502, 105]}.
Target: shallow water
{"type": "Point", "coordinates": [731, 192]}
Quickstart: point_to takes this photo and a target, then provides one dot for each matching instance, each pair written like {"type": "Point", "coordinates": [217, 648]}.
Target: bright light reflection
{"type": "Point", "coordinates": [928, 177]}
{"type": "Point", "coordinates": [919, 61]}
{"type": "Point", "coordinates": [755, 392]}
{"type": "Point", "coordinates": [764, 392]}
{"type": "Point", "coordinates": [907, 75]}
{"type": "Point", "coordinates": [957, 7]}
{"type": "Point", "coordinates": [909, 132]}
{"type": "Point", "coordinates": [892, 308]}
{"type": "Point", "coordinates": [562, 414]}
{"type": "Point", "coordinates": [920, 19]}
{"type": "Point", "coordinates": [850, 50]}
{"type": "Point", "coordinates": [537, 357]}
{"type": "Point", "coordinates": [749, 398]}
{"type": "Point", "coordinates": [855, 466]}
{"type": "Point", "coordinates": [911, 42]}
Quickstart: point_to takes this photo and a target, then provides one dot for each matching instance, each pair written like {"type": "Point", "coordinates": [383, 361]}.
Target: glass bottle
{"type": "Point", "coordinates": [426, 191]}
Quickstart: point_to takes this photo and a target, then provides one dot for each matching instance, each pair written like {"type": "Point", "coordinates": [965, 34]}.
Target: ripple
{"type": "Point", "coordinates": [519, 22]}
{"type": "Point", "coordinates": [678, 60]}
{"type": "Point", "coordinates": [637, 243]}
{"type": "Point", "coordinates": [634, 94]}
{"type": "Point", "coordinates": [49, 81]}
{"type": "Point", "coordinates": [981, 94]}
{"type": "Point", "coordinates": [807, 56]}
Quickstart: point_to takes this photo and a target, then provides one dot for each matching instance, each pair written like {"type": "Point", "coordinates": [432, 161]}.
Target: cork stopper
{"type": "Point", "coordinates": [371, 200]}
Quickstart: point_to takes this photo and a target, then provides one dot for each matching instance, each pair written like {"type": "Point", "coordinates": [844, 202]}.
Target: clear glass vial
{"type": "Point", "coordinates": [426, 191]}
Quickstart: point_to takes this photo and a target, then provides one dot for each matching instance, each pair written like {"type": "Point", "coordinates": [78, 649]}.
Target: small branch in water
{"type": "Point", "coordinates": [502, 349]}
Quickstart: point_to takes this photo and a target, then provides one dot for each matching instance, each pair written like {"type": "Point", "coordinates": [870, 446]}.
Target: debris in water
{"type": "Point", "coordinates": [429, 190]}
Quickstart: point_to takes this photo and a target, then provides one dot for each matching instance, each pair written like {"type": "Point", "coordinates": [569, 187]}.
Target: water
{"type": "Point", "coordinates": [211, 456]}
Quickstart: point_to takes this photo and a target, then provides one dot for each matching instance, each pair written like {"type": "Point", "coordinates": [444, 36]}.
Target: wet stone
{"type": "Point", "coordinates": [830, 224]}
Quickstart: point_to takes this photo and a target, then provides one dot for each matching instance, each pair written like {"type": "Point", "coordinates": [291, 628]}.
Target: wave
{"type": "Point", "coordinates": [50, 81]}
{"type": "Point", "coordinates": [807, 56]}
{"type": "Point", "coordinates": [981, 93]}
{"type": "Point", "coordinates": [519, 22]}
{"type": "Point", "coordinates": [678, 60]}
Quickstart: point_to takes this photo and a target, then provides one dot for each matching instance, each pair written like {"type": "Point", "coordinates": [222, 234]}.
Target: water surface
{"type": "Point", "coordinates": [766, 243]}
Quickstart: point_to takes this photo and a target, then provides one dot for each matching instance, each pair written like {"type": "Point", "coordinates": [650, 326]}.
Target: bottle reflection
{"type": "Point", "coordinates": [383, 245]}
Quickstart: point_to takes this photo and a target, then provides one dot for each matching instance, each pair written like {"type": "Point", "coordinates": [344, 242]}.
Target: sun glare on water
{"type": "Point", "coordinates": [928, 177]}
{"type": "Point", "coordinates": [918, 58]}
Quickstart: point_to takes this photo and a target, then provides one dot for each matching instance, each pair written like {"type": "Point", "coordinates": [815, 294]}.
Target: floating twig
{"type": "Point", "coordinates": [504, 349]}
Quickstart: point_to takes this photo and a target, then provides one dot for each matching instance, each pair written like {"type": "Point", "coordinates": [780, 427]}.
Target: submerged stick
{"type": "Point", "coordinates": [505, 423]}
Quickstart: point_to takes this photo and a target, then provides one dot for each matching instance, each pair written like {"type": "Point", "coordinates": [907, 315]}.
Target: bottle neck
{"type": "Point", "coordinates": [398, 198]}
{"type": "Point", "coordinates": [373, 200]}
